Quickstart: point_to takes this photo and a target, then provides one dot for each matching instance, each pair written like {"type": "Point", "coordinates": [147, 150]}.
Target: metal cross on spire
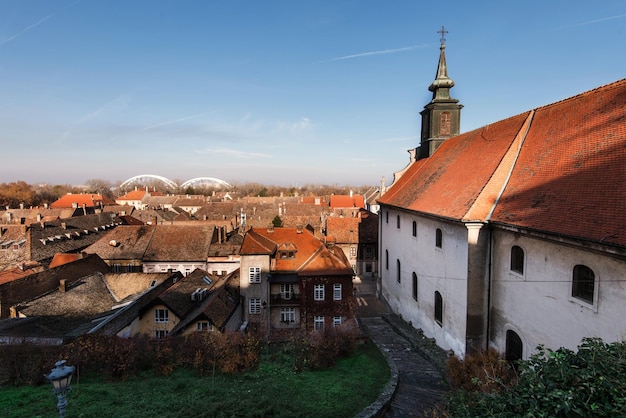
{"type": "Point", "coordinates": [442, 32]}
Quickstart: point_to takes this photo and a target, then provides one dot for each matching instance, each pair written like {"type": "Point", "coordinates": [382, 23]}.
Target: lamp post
{"type": "Point", "coordinates": [60, 377]}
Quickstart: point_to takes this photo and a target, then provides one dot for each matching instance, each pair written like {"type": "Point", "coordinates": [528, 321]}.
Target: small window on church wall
{"type": "Point", "coordinates": [438, 309]}
{"type": "Point", "coordinates": [517, 259]}
{"type": "Point", "coordinates": [438, 238]}
{"type": "Point", "coordinates": [514, 346]}
{"type": "Point", "coordinates": [445, 124]}
{"type": "Point", "coordinates": [583, 283]}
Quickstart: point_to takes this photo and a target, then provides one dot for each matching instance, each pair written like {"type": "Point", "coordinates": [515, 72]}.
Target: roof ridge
{"type": "Point", "coordinates": [608, 86]}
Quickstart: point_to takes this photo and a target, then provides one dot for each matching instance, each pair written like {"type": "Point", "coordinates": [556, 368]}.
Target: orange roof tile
{"type": "Point", "coordinates": [347, 201]}
{"type": "Point", "coordinates": [567, 171]}
{"type": "Point", "coordinates": [78, 200]}
{"type": "Point", "coordinates": [311, 255]}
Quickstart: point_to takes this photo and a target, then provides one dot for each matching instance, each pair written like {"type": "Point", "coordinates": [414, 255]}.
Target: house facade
{"type": "Point", "coordinates": [511, 235]}
{"type": "Point", "coordinates": [292, 281]}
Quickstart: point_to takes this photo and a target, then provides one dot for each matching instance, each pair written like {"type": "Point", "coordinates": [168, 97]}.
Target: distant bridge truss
{"type": "Point", "coordinates": [143, 179]}
{"type": "Point", "coordinates": [205, 181]}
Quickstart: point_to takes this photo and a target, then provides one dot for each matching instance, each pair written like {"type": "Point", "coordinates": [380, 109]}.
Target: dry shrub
{"type": "Point", "coordinates": [110, 356]}
{"type": "Point", "coordinates": [485, 371]}
{"type": "Point", "coordinates": [320, 350]}
{"type": "Point", "coordinates": [240, 352]}
{"type": "Point", "coordinates": [25, 363]}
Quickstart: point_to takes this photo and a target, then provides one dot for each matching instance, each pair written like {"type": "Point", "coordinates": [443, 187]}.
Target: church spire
{"type": "Point", "coordinates": [441, 118]}
{"type": "Point", "coordinates": [442, 84]}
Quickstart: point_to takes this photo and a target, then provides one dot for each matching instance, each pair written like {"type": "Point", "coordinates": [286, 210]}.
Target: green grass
{"type": "Point", "coordinates": [273, 390]}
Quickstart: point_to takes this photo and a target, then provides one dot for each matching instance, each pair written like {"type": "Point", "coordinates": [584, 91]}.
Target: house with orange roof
{"type": "Point", "coordinates": [137, 198]}
{"type": "Point", "coordinates": [357, 236]}
{"type": "Point", "coordinates": [290, 280]}
{"type": "Point", "coordinates": [512, 235]}
{"type": "Point", "coordinates": [87, 201]}
{"type": "Point", "coordinates": [351, 201]}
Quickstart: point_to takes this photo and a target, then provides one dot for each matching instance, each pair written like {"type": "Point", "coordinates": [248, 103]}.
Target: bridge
{"type": "Point", "coordinates": [143, 179]}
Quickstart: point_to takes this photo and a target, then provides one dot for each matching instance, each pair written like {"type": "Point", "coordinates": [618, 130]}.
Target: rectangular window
{"type": "Point", "coordinates": [352, 251]}
{"type": "Point", "coordinates": [204, 326]}
{"type": "Point", "coordinates": [318, 292]}
{"type": "Point", "coordinates": [288, 315]}
{"type": "Point", "coordinates": [286, 291]}
{"type": "Point", "coordinates": [117, 268]}
{"type": "Point", "coordinates": [161, 315]}
{"type": "Point", "coordinates": [336, 321]}
{"type": "Point", "coordinates": [337, 291]}
{"type": "Point", "coordinates": [254, 275]}
{"type": "Point", "coordinates": [254, 307]}
{"type": "Point", "coordinates": [318, 323]}
{"type": "Point", "coordinates": [161, 333]}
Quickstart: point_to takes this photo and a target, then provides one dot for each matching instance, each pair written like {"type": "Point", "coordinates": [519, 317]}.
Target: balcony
{"type": "Point", "coordinates": [285, 299]}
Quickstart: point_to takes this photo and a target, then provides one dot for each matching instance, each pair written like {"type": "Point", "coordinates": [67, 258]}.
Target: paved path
{"type": "Point", "coordinates": [421, 384]}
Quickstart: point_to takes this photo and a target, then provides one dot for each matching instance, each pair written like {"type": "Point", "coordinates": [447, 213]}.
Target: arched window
{"type": "Point", "coordinates": [514, 347]}
{"type": "Point", "coordinates": [398, 221]}
{"type": "Point", "coordinates": [438, 308]}
{"type": "Point", "coordinates": [399, 274]}
{"type": "Point", "coordinates": [438, 238]}
{"type": "Point", "coordinates": [414, 228]}
{"type": "Point", "coordinates": [517, 259]}
{"type": "Point", "coordinates": [583, 283]}
{"type": "Point", "coordinates": [414, 286]}
{"type": "Point", "coordinates": [387, 259]}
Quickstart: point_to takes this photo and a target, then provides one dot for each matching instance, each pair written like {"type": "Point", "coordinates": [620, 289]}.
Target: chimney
{"type": "Point", "coordinates": [270, 228]}
{"type": "Point", "coordinates": [45, 206]}
{"type": "Point", "coordinates": [21, 205]}
{"type": "Point", "coordinates": [39, 217]}
{"type": "Point", "coordinates": [299, 228]}
{"type": "Point", "coordinates": [62, 286]}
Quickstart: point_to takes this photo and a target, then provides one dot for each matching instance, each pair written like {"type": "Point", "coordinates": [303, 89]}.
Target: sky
{"type": "Point", "coordinates": [285, 93]}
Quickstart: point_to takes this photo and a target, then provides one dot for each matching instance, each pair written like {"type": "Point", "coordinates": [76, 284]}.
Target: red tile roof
{"type": "Point", "coordinates": [567, 171]}
{"type": "Point", "coordinates": [312, 256]}
{"type": "Point", "coordinates": [347, 201]}
{"type": "Point", "coordinates": [78, 200]}
{"type": "Point", "coordinates": [133, 195]}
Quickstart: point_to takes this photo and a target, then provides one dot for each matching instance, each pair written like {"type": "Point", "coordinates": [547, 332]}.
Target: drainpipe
{"type": "Point", "coordinates": [489, 279]}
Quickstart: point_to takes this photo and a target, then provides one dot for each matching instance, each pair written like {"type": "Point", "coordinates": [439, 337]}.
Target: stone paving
{"type": "Point", "coordinates": [418, 362]}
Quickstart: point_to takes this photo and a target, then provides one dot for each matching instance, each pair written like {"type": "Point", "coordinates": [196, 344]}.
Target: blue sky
{"type": "Point", "coordinates": [278, 92]}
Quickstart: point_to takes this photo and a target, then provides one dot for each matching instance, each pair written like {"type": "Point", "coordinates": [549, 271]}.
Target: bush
{"type": "Point", "coordinates": [557, 383]}
{"type": "Point", "coordinates": [485, 371]}
{"type": "Point", "coordinates": [24, 363]}
{"type": "Point", "coordinates": [321, 350]}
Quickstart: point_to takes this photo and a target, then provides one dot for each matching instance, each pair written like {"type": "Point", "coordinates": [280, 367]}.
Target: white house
{"type": "Point", "coordinates": [514, 234]}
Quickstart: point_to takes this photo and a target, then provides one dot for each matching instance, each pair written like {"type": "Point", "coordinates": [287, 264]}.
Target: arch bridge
{"type": "Point", "coordinates": [149, 178]}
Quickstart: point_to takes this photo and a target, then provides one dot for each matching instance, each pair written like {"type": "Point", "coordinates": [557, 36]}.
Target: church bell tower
{"type": "Point", "coordinates": [441, 118]}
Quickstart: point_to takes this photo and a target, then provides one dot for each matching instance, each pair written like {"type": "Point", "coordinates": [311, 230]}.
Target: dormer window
{"type": "Point", "coordinates": [287, 255]}
{"type": "Point", "coordinates": [287, 251]}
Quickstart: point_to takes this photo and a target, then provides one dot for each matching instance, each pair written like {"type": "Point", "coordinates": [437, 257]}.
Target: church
{"type": "Point", "coordinates": [514, 234]}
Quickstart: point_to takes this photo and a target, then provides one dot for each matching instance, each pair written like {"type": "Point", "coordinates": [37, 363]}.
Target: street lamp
{"type": "Point", "coordinates": [60, 377]}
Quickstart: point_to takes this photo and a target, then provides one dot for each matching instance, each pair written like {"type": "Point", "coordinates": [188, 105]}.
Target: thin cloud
{"type": "Point", "coordinates": [26, 29]}
{"type": "Point", "coordinates": [604, 19]}
{"type": "Point", "coordinates": [386, 51]}
{"type": "Point", "coordinates": [234, 153]}
{"type": "Point", "coordinates": [147, 128]}
{"type": "Point", "coordinates": [117, 104]}
{"type": "Point", "coordinates": [294, 128]}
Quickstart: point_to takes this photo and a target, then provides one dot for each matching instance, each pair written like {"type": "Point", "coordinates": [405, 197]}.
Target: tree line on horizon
{"type": "Point", "coordinates": [14, 194]}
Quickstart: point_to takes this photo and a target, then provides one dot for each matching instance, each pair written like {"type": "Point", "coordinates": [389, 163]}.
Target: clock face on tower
{"type": "Point", "coordinates": [445, 124]}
